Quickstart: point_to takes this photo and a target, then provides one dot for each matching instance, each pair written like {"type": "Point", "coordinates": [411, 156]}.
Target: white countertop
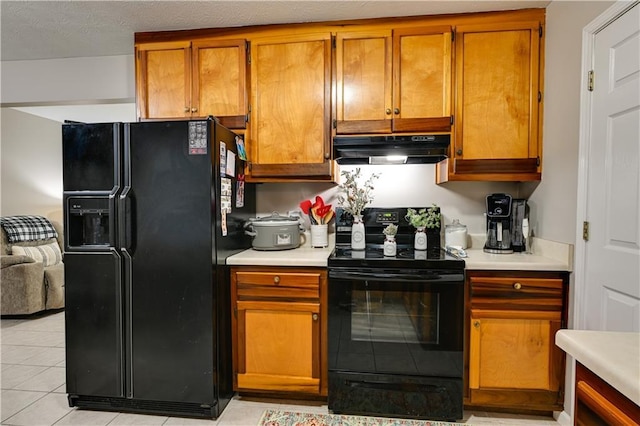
{"type": "Point", "coordinates": [304, 255]}
{"type": "Point", "coordinates": [613, 356]}
{"type": "Point", "coordinates": [550, 256]}
{"type": "Point", "coordinates": [478, 259]}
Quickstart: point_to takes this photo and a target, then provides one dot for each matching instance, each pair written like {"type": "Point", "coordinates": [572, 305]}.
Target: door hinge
{"type": "Point", "coordinates": [585, 230]}
{"type": "Point", "coordinates": [540, 31]}
{"type": "Point", "coordinates": [537, 161]}
{"type": "Point", "coordinates": [333, 42]}
{"type": "Point", "coordinates": [235, 312]}
{"type": "Point", "coordinates": [539, 96]}
{"type": "Point", "coordinates": [335, 123]}
{"type": "Point", "coordinates": [590, 83]}
{"type": "Point", "coordinates": [451, 120]}
{"type": "Point", "coordinates": [248, 116]}
{"type": "Point", "coordinates": [248, 52]}
{"type": "Point", "coordinates": [453, 35]}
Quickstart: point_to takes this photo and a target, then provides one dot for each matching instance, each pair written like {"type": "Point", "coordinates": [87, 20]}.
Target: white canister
{"type": "Point", "coordinates": [455, 235]}
{"type": "Point", "coordinates": [319, 236]}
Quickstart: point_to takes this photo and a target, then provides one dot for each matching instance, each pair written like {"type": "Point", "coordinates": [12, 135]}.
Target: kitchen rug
{"type": "Point", "coordinates": [289, 418]}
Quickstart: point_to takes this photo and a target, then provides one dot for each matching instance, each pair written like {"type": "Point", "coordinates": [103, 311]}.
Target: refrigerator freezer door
{"type": "Point", "coordinates": [93, 316]}
{"type": "Point", "coordinates": [90, 153]}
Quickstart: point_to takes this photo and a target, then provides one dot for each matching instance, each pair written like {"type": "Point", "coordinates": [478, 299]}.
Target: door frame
{"type": "Point", "coordinates": [588, 34]}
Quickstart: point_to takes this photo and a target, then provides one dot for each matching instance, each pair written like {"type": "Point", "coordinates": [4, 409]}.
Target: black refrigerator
{"type": "Point", "coordinates": [151, 212]}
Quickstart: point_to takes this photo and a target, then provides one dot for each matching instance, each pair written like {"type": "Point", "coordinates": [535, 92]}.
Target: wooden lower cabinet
{"type": "Point", "coordinates": [279, 330]}
{"type": "Point", "coordinates": [513, 362]}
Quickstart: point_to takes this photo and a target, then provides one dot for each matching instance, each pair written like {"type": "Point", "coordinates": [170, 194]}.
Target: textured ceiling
{"type": "Point", "coordinates": [66, 29]}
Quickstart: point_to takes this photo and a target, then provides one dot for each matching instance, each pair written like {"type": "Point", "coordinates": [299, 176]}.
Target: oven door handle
{"type": "Point", "coordinates": [396, 276]}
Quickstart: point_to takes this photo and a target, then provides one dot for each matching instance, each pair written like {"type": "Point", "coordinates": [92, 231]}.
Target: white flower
{"type": "Point", "coordinates": [352, 197]}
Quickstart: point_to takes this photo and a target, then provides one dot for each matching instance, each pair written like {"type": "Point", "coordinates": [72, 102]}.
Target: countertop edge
{"type": "Point", "coordinates": [607, 354]}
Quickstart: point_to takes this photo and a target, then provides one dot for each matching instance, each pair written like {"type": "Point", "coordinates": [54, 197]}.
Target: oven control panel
{"type": "Point", "coordinates": [386, 217]}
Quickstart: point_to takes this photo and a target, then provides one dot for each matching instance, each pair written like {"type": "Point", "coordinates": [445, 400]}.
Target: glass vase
{"type": "Point", "coordinates": [357, 233]}
{"type": "Point", "coordinates": [390, 246]}
{"type": "Point", "coordinates": [420, 239]}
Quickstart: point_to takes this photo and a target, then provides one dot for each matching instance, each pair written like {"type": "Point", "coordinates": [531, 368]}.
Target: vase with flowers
{"type": "Point", "coordinates": [423, 219]}
{"type": "Point", "coordinates": [354, 197]}
{"type": "Point", "coordinates": [389, 246]}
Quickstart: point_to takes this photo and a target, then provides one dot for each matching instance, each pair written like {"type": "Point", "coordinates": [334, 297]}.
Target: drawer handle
{"type": "Point", "coordinates": [276, 279]}
{"type": "Point", "coordinates": [517, 286]}
{"type": "Point", "coordinates": [314, 317]}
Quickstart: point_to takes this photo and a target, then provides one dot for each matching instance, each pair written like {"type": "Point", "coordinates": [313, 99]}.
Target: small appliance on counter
{"type": "Point", "coordinates": [274, 232]}
{"type": "Point", "coordinates": [498, 224]}
{"type": "Point", "coordinates": [519, 225]}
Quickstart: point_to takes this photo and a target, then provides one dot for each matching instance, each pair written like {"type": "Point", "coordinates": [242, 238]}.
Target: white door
{"type": "Point", "coordinates": [611, 278]}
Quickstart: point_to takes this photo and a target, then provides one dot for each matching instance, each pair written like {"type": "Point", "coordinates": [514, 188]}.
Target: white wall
{"type": "Point", "coordinates": [555, 199]}
{"type": "Point", "coordinates": [31, 160]}
{"type": "Point", "coordinates": [60, 81]}
{"type": "Point", "coordinates": [398, 186]}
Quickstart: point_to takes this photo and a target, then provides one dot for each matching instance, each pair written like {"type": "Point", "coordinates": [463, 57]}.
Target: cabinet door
{"type": "Point", "coordinates": [513, 350]}
{"type": "Point", "coordinates": [278, 345]}
{"type": "Point", "coordinates": [219, 81]}
{"type": "Point", "coordinates": [290, 101]}
{"type": "Point", "coordinates": [422, 79]}
{"type": "Point", "coordinates": [163, 80]}
{"type": "Point", "coordinates": [497, 102]}
{"type": "Point", "coordinates": [363, 63]}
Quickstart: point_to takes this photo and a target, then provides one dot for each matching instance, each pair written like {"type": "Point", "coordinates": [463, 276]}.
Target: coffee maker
{"type": "Point", "coordinates": [498, 224]}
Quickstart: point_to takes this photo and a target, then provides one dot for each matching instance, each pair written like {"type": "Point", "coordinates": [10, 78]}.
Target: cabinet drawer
{"type": "Point", "coordinates": [516, 293]}
{"type": "Point", "coordinates": [278, 284]}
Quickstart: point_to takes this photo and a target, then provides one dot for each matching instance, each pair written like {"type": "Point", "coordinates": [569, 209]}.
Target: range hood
{"type": "Point", "coordinates": [391, 149]}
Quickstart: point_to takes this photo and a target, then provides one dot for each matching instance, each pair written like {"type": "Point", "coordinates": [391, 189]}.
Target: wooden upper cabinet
{"type": "Point", "coordinates": [219, 86]}
{"type": "Point", "coordinates": [394, 80]}
{"type": "Point", "coordinates": [363, 63]}
{"type": "Point", "coordinates": [193, 79]}
{"type": "Point", "coordinates": [290, 108]}
{"type": "Point", "coordinates": [163, 80]}
{"type": "Point", "coordinates": [498, 103]}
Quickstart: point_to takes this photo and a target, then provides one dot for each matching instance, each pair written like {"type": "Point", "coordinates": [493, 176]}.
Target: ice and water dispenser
{"type": "Point", "coordinates": [89, 222]}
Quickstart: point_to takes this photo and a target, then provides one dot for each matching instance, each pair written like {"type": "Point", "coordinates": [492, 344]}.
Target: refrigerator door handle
{"type": "Point", "coordinates": [125, 215]}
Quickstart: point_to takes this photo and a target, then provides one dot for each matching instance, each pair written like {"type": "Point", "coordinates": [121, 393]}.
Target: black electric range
{"type": "Point", "coordinates": [396, 323]}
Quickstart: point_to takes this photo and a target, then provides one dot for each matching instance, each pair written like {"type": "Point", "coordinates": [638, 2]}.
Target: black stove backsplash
{"type": "Point", "coordinates": [376, 219]}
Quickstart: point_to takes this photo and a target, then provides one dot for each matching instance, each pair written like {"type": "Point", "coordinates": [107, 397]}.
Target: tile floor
{"type": "Point", "coordinates": [33, 388]}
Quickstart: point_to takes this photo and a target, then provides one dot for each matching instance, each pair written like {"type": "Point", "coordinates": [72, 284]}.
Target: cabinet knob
{"type": "Point", "coordinates": [314, 317]}
{"type": "Point", "coordinates": [186, 109]}
{"type": "Point", "coordinates": [396, 111]}
{"type": "Point", "coordinates": [388, 111]}
{"type": "Point", "coordinates": [476, 324]}
{"type": "Point", "coordinates": [194, 109]}
{"type": "Point", "coordinates": [459, 152]}
{"type": "Point", "coordinates": [517, 286]}
{"type": "Point", "coordinates": [276, 279]}
{"type": "Point", "coordinates": [327, 156]}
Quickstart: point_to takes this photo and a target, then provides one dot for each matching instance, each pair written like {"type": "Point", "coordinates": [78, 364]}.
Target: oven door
{"type": "Point", "coordinates": [395, 342]}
